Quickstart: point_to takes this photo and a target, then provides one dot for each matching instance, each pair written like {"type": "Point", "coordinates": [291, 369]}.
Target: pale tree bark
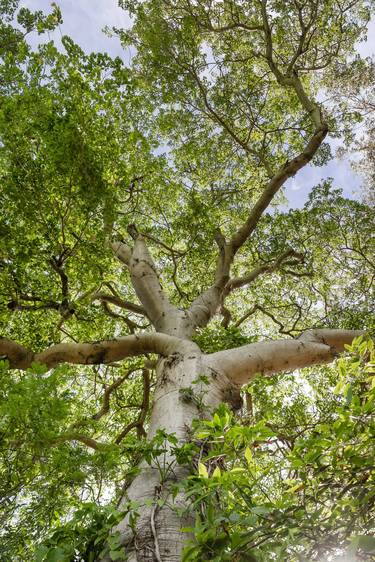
{"type": "Point", "coordinates": [165, 317]}
{"type": "Point", "coordinates": [311, 348]}
{"type": "Point", "coordinates": [157, 534]}
{"type": "Point", "coordinates": [96, 353]}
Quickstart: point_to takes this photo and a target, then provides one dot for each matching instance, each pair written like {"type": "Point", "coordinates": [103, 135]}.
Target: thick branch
{"type": "Point", "coordinates": [102, 352]}
{"type": "Point", "coordinates": [208, 302]}
{"type": "Point", "coordinates": [205, 306]}
{"type": "Point", "coordinates": [122, 251]}
{"type": "Point", "coordinates": [311, 348]}
{"type": "Point", "coordinates": [146, 283]}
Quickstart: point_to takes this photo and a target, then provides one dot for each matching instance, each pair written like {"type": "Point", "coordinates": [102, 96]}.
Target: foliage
{"type": "Point", "coordinates": [182, 144]}
{"type": "Point", "coordinates": [84, 537]}
{"type": "Point", "coordinates": [294, 478]}
{"type": "Point", "coordinates": [47, 471]}
{"type": "Point", "coordinates": [216, 338]}
{"type": "Point", "coordinates": [356, 92]}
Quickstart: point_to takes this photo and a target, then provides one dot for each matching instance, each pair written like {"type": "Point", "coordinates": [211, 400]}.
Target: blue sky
{"type": "Point", "coordinates": [84, 20]}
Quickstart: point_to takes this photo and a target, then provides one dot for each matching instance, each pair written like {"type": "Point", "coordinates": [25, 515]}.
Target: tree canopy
{"type": "Point", "coordinates": [175, 166]}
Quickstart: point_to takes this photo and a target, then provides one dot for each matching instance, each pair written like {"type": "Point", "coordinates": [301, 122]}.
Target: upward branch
{"type": "Point", "coordinates": [146, 283]}
{"type": "Point", "coordinates": [208, 302]}
{"type": "Point", "coordinates": [288, 170]}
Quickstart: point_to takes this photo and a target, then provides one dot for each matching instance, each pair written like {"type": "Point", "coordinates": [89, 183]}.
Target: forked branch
{"type": "Point", "coordinates": [238, 282]}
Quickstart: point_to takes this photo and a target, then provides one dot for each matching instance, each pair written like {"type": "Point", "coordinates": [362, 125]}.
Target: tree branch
{"type": "Point", "coordinates": [238, 282]}
{"type": "Point", "coordinates": [75, 436]}
{"type": "Point", "coordinates": [138, 423]}
{"type": "Point", "coordinates": [311, 348]}
{"type": "Point", "coordinates": [121, 303]}
{"type": "Point", "coordinates": [146, 283]}
{"type": "Point", "coordinates": [107, 395]}
{"type": "Point", "coordinates": [207, 304]}
{"type": "Point", "coordinates": [14, 305]}
{"type": "Point", "coordinates": [56, 264]}
{"type": "Point", "coordinates": [289, 169]}
{"type": "Point", "coordinates": [132, 326]}
{"type": "Point", "coordinates": [95, 353]}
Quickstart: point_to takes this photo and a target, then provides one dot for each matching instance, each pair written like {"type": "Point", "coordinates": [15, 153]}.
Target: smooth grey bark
{"type": "Point", "coordinates": [158, 529]}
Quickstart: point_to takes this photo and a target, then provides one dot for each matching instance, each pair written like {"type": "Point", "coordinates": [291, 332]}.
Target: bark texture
{"type": "Point", "coordinates": [157, 534]}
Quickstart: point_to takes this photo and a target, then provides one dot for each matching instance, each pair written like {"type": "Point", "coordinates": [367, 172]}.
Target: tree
{"type": "Point", "coordinates": [138, 205]}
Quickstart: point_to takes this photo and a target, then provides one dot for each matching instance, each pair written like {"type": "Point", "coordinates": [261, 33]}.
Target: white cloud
{"type": "Point", "coordinates": [84, 21]}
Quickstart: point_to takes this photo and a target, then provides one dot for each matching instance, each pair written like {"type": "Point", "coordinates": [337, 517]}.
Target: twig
{"type": "Point", "coordinates": [153, 528]}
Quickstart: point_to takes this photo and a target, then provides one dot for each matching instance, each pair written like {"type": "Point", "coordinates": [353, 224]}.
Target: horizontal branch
{"type": "Point", "coordinates": [266, 312]}
{"type": "Point", "coordinates": [311, 348]}
{"type": "Point", "coordinates": [95, 353]}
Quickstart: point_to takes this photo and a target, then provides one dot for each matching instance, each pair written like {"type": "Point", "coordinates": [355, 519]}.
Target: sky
{"type": "Point", "coordinates": [84, 20]}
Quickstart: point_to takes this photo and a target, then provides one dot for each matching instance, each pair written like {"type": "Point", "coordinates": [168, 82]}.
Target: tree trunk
{"type": "Point", "coordinates": [156, 534]}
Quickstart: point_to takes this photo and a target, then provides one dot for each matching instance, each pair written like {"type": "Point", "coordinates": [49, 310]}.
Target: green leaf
{"type": "Point", "coordinates": [216, 473]}
{"type": "Point", "coordinates": [248, 456]}
{"type": "Point", "coordinates": [117, 554]}
{"type": "Point", "coordinates": [202, 470]}
{"type": "Point", "coordinates": [57, 555]}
